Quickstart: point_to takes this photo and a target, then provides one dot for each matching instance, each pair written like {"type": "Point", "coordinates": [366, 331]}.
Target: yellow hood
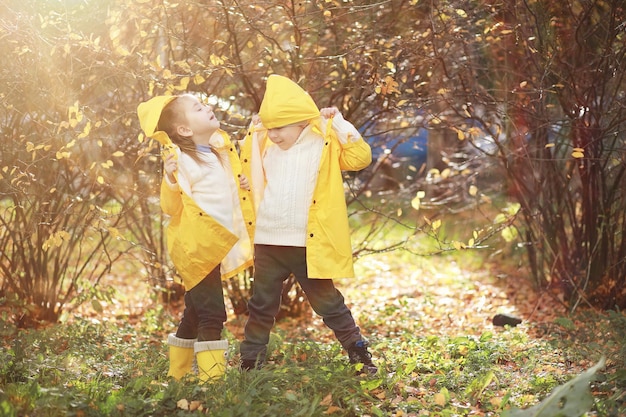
{"type": "Point", "coordinates": [285, 102]}
{"type": "Point", "coordinates": [149, 113]}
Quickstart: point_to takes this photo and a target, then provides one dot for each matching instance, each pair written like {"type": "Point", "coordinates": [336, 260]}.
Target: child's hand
{"type": "Point", "coordinates": [171, 165]}
{"type": "Point", "coordinates": [243, 182]}
{"type": "Point", "coordinates": [328, 112]}
{"type": "Point", "coordinates": [256, 119]}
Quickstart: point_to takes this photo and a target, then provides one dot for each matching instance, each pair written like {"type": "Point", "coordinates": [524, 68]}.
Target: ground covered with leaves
{"type": "Point", "coordinates": [429, 321]}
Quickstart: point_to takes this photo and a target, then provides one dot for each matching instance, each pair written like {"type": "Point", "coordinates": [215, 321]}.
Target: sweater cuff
{"type": "Point", "coordinates": [171, 185]}
{"type": "Point", "coordinates": [346, 132]}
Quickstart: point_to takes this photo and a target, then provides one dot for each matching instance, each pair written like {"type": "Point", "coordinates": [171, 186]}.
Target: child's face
{"type": "Point", "coordinates": [200, 119]}
{"type": "Point", "coordinates": [286, 136]}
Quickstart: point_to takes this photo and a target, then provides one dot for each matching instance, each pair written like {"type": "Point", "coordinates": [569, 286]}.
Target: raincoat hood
{"type": "Point", "coordinates": [285, 102]}
{"type": "Point", "coordinates": [149, 113]}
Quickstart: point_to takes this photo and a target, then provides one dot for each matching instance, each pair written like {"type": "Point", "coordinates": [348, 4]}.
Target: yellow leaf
{"type": "Point", "coordinates": [550, 145]}
{"type": "Point", "coordinates": [461, 12]}
{"type": "Point", "coordinates": [115, 233]}
{"type": "Point", "coordinates": [509, 233]}
{"type": "Point", "coordinates": [500, 218]}
{"type": "Point", "coordinates": [114, 32]}
{"type": "Point", "coordinates": [512, 208]}
{"type": "Point", "coordinates": [415, 203]}
{"type": "Point", "coordinates": [195, 405]}
{"type": "Point", "coordinates": [118, 154]}
{"type": "Point", "coordinates": [578, 154]}
{"type": "Point", "coordinates": [458, 245]}
{"type": "Point", "coordinates": [440, 399]}
{"type": "Point", "coordinates": [198, 79]}
{"type": "Point", "coordinates": [473, 190]}
{"type": "Point", "coordinates": [86, 131]}
{"type": "Point", "coordinates": [436, 224]}
{"type": "Point", "coordinates": [523, 84]}
{"type": "Point", "coordinates": [100, 180]}
{"type": "Point", "coordinates": [183, 404]}
{"type": "Point", "coordinates": [332, 409]}
{"type": "Point", "coordinates": [470, 242]}
{"type": "Point", "coordinates": [184, 83]}
{"type": "Point", "coordinates": [95, 304]}
{"type": "Point", "coordinates": [55, 240]}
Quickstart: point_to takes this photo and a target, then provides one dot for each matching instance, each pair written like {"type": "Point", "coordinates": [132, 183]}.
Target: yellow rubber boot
{"type": "Point", "coordinates": [211, 358]}
{"type": "Point", "coordinates": [181, 356]}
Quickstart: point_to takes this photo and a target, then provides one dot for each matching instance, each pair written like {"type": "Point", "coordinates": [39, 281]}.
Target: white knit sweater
{"type": "Point", "coordinates": [209, 185]}
{"type": "Point", "coordinates": [290, 176]}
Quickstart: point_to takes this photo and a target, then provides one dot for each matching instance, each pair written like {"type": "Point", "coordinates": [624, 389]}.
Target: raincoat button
{"type": "Point", "coordinates": [311, 235]}
{"type": "Point", "coordinates": [243, 198]}
{"type": "Point", "coordinates": [245, 160]}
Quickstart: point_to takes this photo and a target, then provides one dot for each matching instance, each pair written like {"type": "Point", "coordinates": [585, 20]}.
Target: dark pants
{"type": "Point", "coordinates": [272, 266]}
{"type": "Point", "coordinates": [205, 312]}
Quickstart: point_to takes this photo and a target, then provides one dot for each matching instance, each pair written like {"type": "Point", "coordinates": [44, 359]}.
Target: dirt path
{"type": "Point", "coordinates": [434, 296]}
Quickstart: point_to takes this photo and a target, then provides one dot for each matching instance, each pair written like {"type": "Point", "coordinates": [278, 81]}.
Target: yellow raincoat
{"type": "Point", "coordinates": [196, 242]}
{"type": "Point", "coordinates": [329, 250]}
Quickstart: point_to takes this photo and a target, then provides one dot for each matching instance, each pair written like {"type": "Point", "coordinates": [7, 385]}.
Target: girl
{"type": "Point", "coordinates": [210, 230]}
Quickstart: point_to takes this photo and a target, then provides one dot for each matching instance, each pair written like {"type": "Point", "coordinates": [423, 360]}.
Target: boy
{"type": "Point", "coordinates": [294, 162]}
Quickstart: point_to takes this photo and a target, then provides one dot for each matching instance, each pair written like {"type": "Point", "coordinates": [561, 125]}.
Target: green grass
{"type": "Point", "coordinates": [111, 367]}
{"type": "Point", "coordinates": [86, 368]}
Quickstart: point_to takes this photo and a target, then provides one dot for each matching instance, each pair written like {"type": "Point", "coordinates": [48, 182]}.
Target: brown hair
{"type": "Point", "coordinates": [171, 116]}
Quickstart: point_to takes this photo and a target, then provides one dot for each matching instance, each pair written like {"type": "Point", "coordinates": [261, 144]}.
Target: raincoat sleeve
{"type": "Point", "coordinates": [171, 201]}
{"type": "Point", "coordinates": [252, 147]}
{"type": "Point", "coordinates": [355, 154]}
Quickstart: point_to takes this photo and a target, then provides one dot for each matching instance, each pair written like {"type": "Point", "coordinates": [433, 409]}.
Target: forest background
{"type": "Point", "coordinates": [523, 104]}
